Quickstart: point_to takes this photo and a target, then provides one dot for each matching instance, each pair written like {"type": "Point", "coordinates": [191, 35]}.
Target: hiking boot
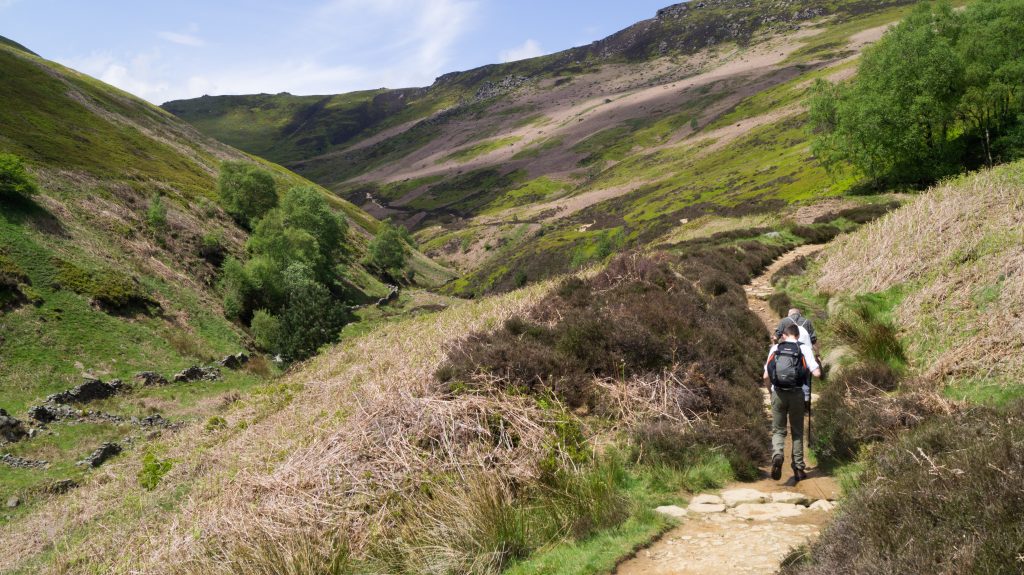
{"type": "Point", "coordinates": [777, 466]}
{"type": "Point", "coordinates": [799, 474]}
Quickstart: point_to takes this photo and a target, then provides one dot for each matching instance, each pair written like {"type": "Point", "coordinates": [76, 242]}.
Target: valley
{"type": "Point", "coordinates": [514, 322]}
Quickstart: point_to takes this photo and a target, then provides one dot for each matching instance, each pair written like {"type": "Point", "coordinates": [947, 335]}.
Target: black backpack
{"type": "Point", "coordinates": [787, 368]}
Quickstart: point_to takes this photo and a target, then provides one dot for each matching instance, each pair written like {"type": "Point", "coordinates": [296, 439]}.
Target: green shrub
{"type": "Point", "coordinates": [246, 192]}
{"type": "Point", "coordinates": [216, 423]}
{"type": "Point", "coordinates": [14, 179]}
{"type": "Point", "coordinates": [153, 470]}
{"type": "Point", "coordinates": [156, 215]}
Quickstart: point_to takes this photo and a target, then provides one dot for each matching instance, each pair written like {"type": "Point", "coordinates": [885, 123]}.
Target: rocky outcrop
{"type": "Point", "coordinates": [101, 455]}
{"type": "Point", "coordinates": [197, 373]}
{"type": "Point", "coordinates": [11, 429]}
{"type": "Point", "coordinates": [90, 390]}
{"type": "Point", "coordinates": [491, 89]}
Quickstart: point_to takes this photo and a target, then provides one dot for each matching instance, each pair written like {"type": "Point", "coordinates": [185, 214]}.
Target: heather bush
{"type": "Point", "coordinates": [945, 498]}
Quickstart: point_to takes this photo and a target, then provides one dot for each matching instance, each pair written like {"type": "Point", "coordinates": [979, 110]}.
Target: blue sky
{"type": "Point", "coordinates": [162, 50]}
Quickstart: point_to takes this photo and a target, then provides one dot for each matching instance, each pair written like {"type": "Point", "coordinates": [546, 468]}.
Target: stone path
{"type": "Point", "coordinates": [749, 528]}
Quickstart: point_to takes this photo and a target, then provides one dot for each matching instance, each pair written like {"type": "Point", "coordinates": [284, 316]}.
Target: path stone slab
{"type": "Point", "coordinates": [767, 511]}
{"type": "Point", "coordinates": [823, 505]}
{"type": "Point", "coordinates": [734, 497]}
{"type": "Point", "coordinates": [672, 511]}
{"type": "Point", "coordinates": [791, 497]}
{"type": "Point", "coordinates": [706, 498]}
{"type": "Point", "coordinates": [706, 508]}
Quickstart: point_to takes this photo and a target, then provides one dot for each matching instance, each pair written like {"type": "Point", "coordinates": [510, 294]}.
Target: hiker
{"type": "Point", "coordinates": [787, 371]}
{"type": "Point", "coordinates": [810, 339]}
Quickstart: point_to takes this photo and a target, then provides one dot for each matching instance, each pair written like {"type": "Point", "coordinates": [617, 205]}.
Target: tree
{"type": "Point", "coordinates": [246, 192]}
{"type": "Point", "coordinates": [938, 94]}
{"type": "Point", "coordinates": [14, 179]}
{"type": "Point", "coordinates": [310, 318]}
{"type": "Point", "coordinates": [388, 251]}
{"type": "Point", "coordinates": [274, 239]}
{"type": "Point", "coordinates": [306, 209]}
{"type": "Point", "coordinates": [893, 119]}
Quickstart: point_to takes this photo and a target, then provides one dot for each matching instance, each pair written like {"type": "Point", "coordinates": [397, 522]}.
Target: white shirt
{"type": "Point", "coordinates": [805, 338]}
{"type": "Point", "coordinates": [807, 351]}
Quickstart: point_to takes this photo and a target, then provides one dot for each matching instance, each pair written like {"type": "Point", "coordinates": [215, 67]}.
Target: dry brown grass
{"type": "Point", "coordinates": [362, 425]}
{"type": "Point", "coordinates": [959, 250]}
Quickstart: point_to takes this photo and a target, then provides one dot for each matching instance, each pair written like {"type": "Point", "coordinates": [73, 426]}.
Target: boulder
{"type": "Point", "coordinates": [13, 502]}
{"type": "Point", "coordinates": [706, 498]}
{"type": "Point", "coordinates": [672, 511]}
{"type": "Point", "coordinates": [791, 497]}
{"type": "Point", "coordinates": [11, 429]}
{"type": "Point", "coordinates": [234, 361]}
{"type": "Point", "coordinates": [197, 373]}
{"type": "Point", "coordinates": [734, 497]}
{"type": "Point", "coordinates": [150, 378]}
{"type": "Point", "coordinates": [767, 511]}
{"type": "Point", "coordinates": [91, 389]}
{"type": "Point", "coordinates": [101, 455]}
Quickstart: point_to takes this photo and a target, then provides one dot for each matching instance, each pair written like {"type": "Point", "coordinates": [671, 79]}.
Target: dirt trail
{"type": "Point", "coordinates": [749, 536]}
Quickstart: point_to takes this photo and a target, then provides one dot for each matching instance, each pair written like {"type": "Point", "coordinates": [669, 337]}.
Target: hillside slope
{"type": "Point", "coordinates": [518, 171]}
{"type": "Point", "coordinates": [92, 283]}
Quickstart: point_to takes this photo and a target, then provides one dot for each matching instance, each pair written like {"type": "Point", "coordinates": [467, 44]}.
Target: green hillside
{"type": "Point", "coordinates": [111, 269]}
{"type": "Point", "coordinates": [512, 173]}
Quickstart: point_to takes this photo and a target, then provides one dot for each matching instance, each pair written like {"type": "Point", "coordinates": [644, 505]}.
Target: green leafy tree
{"type": "Point", "coordinates": [310, 318]}
{"type": "Point", "coordinates": [274, 239]}
{"type": "Point", "coordinates": [304, 208]}
{"type": "Point", "coordinates": [14, 179]}
{"type": "Point", "coordinates": [388, 251]}
{"type": "Point", "coordinates": [938, 94]}
{"type": "Point", "coordinates": [246, 192]}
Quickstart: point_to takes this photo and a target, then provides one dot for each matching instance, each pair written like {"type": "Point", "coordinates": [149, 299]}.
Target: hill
{"type": "Point", "coordinates": [111, 269]}
{"type": "Point", "coordinates": [516, 172]}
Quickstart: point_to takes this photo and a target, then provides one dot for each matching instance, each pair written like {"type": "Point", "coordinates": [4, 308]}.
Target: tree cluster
{"type": "Point", "coordinates": [938, 94]}
{"type": "Point", "coordinates": [288, 288]}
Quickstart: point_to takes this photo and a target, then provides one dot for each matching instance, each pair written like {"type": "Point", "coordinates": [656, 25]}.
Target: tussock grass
{"type": "Point", "coordinates": [960, 248]}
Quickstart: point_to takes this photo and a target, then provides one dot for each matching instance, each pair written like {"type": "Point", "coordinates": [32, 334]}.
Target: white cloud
{"type": "Point", "coordinates": [529, 49]}
{"type": "Point", "coordinates": [135, 74]}
{"type": "Point", "coordinates": [188, 37]}
{"type": "Point", "coordinates": [182, 39]}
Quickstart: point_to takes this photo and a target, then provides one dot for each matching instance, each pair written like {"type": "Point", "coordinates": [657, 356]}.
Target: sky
{"type": "Point", "coordinates": [165, 50]}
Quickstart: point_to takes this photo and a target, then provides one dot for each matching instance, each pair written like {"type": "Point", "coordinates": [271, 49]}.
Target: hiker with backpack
{"type": "Point", "coordinates": [787, 372]}
{"type": "Point", "coordinates": [810, 338]}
